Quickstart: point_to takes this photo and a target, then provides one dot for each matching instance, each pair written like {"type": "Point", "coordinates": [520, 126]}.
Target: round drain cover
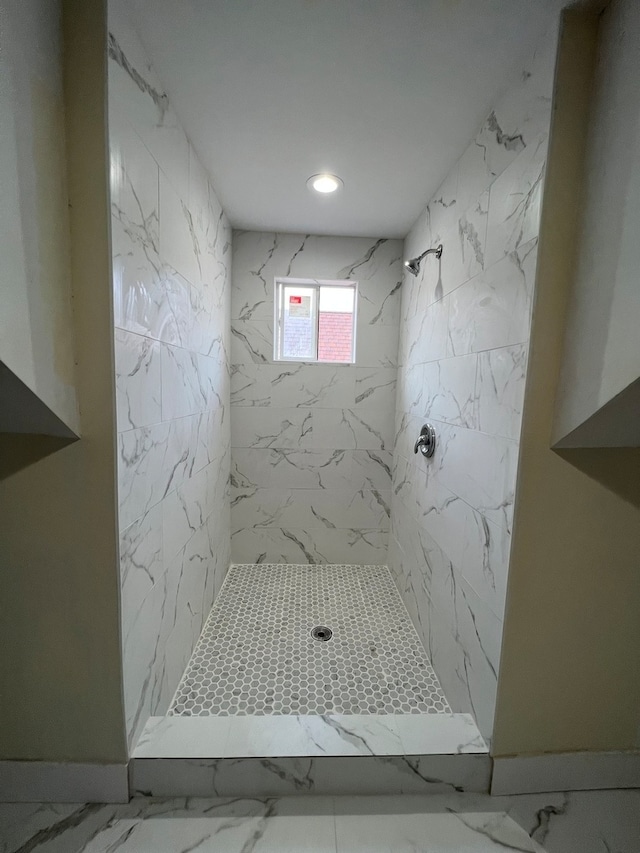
{"type": "Point", "coordinates": [322, 633]}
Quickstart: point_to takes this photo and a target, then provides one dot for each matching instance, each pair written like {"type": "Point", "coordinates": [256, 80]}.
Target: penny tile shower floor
{"type": "Point", "coordinates": [256, 654]}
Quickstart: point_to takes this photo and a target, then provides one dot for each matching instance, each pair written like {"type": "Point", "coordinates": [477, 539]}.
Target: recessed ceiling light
{"type": "Point", "coordinates": [324, 183]}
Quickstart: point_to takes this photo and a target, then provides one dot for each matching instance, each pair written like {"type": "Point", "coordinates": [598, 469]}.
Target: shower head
{"type": "Point", "coordinates": [413, 265]}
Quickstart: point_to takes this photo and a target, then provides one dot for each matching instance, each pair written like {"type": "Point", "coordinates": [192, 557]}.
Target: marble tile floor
{"type": "Point", "coordinates": [579, 822]}
{"type": "Point", "coordinates": [257, 656]}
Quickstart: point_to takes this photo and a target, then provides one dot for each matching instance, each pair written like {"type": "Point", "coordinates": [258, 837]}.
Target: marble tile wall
{"type": "Point", "coordinates": [171, 270]}
{"type": "Point", "coordinates": [462, 359]}
{"type": "Point", "coordinates": [312, 443]}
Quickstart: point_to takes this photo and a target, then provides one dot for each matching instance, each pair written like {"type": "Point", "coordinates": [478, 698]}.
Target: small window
{"type": "Point", "coordinates": [315, 320]}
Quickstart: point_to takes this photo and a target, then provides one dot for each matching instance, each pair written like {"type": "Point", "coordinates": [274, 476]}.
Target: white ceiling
{"type": "Point", "coordinates": [384, 93]}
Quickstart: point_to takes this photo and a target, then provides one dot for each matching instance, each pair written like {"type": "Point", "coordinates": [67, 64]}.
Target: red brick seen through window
{"type": "Point", "coordinates": [335, 331]}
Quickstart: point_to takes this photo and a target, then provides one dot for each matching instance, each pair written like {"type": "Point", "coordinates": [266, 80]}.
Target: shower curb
{"type": "Point", "coordinates": [330, 754]}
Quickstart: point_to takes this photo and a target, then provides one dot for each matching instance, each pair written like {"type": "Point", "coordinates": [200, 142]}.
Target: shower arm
{"type": "Point", "coordinates": [437, 252]}
{"type": "Point", "coordinates": [413, 265]}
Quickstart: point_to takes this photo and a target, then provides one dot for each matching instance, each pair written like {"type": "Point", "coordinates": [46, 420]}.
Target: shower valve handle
{"type": "Point", "coordinates": [426, 443]}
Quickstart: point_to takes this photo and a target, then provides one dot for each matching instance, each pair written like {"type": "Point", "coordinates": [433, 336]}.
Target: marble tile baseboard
{"type": "Point", "coordinates": [58, 782]}
{"type": "Point", "coordinates": [571, 771]}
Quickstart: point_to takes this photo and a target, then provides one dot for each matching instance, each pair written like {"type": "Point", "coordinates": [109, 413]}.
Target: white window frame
{"type": "Point", "coordinates": [278, 316]}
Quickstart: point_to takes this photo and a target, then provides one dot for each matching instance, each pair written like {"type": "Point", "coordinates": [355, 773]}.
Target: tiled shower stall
{"type": "Point", "coordinates": [228, 456]}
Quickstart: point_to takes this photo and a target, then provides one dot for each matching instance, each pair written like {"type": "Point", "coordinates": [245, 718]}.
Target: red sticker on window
{"type": "Point", "coordinates": [295, 300]}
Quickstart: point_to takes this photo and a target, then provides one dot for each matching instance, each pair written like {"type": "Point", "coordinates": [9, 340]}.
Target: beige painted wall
{"type": "Point", "coordinates": [60, 668]}
{"type": "Point", "coordinates": [36, 340]}
{"type": "Point", "coordinates": [570, 669]}
{"type": "Point", "coordinates": [601, 356]}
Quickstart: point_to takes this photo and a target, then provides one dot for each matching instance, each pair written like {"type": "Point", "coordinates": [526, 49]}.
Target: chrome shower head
{"type": "Point", "coordinates": [413, 265]}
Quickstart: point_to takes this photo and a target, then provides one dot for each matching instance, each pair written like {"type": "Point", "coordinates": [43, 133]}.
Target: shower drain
{"type": "Point", "coordinates": [322, 633]}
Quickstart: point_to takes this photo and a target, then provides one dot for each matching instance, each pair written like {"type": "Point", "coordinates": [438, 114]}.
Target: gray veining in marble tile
{"type": "Point", "coordinates": [172, 294]}
{"type": "Point", "coordinates": [340, 439]}
{"type": "Point", "coordinates": [279, 736]}
{"type": "Point", "coordinates": [581, 822]}
{"type": "Point", "coordinates": [462, 366]}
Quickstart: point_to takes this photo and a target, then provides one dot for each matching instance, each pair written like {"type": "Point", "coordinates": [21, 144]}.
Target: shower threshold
{"type": "Point", "coordinates": [309, 679]}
